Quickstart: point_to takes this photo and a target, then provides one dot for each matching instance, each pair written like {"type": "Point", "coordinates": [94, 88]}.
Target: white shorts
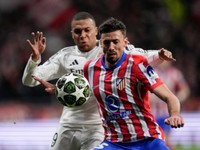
{"type": "Point", "coordinates": [77, 138]}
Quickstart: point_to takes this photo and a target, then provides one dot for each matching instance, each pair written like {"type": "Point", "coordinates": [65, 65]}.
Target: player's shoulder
{"type": "Point", "coordinates": [137, 57]}
{"type": "Point", "coordinates": [129, 47]}
{"type": "Point", "coordinates": [63, 52]}
{"type": "Point", "coordinates": [94, 61]}
{"type": "Point", "coordinates": [88, 62]}
{"type": "Point", "coordinates": [68, 49]}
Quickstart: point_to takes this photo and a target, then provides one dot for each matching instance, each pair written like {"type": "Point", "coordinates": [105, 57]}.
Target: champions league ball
{"type": "Point", "coordinates": [72, 90]}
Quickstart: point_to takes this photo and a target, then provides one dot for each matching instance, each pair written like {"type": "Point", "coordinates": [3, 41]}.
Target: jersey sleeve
{"type": "Point", "coordinates": [47, 71]}
{"type": "Point", "coordinates": [146, 74]}
{"type": "Point", "coordinates": [28, 72]}
{"type": "Point", "coordinates": [152, 56]}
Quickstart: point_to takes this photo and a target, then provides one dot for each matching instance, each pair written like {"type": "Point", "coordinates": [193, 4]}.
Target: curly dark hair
{"type": "Point", "coordinates": [111, 25]}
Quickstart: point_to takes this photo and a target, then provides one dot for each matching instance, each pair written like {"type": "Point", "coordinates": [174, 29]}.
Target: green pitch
{"type": "Point", "coordinates": [187, 148]}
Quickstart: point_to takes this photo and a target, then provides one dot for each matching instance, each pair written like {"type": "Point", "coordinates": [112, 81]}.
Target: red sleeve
{"type": "Point", "coordinates": [146, 74]}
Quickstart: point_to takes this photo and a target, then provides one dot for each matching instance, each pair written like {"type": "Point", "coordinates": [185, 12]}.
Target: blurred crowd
{"type": "Point", "coordinates": [151, 24]}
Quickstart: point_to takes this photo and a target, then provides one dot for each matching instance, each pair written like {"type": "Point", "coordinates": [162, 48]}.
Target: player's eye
{"type": "Point", "coordinates": [106, 43]}
{"type": "Point", "coordinates": [115, 41]}
{"type": "Point", "coordinates": [87, 30]}
{"type": "Point", "coordinates": [77, 31]}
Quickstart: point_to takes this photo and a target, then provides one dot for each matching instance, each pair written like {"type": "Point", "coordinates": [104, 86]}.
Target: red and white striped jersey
{"type": "Point", "coordinates": [122, 94]}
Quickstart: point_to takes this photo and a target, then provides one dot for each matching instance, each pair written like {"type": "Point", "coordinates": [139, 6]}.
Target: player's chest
{"type": "Point", "coordinates": [114, 80]}
{"type": "Point", "coordinates": [74, 62]}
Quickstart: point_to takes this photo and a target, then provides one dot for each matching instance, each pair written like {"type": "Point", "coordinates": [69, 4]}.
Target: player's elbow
{"type": "Point", "coordinates": [27, 83]}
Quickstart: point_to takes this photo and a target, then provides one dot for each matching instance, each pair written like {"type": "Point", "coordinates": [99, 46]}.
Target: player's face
{"type": "Point", "coordinates": [113, 44]}
{"type": "Point", "coordinates": [84, 33]}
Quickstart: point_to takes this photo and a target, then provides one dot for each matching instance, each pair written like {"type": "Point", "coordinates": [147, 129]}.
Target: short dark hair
{"type": "Point", "coordinates": [83, 15]}
{"type": "Point", "coordinates": [111, 25]}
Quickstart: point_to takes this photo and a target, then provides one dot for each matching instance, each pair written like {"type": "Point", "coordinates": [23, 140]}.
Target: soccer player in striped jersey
{"type": "Point", "coordinates": [121, 81]}
{"type": "Point", "coordinates": [80, 128]}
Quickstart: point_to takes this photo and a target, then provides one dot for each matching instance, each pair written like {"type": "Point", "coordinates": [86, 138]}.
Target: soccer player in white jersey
{"type": "Point", "coordinates": [120, 81]}
{"type": "Point", "coordinates": [80, 128]}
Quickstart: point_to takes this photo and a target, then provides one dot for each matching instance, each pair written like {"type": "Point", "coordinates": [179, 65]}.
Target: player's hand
{"type": "Point", "coordinates": [165, 55]}
{"type": "Point", "coordinates": [175, 121]}
{"type": "Point", "coordinates": [50, 88]}
{"type": "Point", "coordinates": [38, 45]}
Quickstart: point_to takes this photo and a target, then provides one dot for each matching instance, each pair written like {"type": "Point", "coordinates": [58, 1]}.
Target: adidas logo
{"type": "Point", "coordinates": [75, 62]}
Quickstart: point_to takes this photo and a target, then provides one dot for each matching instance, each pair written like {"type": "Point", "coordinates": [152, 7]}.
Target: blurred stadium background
{"type": "Point", "coordinates": [29, 116]}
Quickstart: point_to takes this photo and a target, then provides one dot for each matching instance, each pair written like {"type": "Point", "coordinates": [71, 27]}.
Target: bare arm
{"type": "Point", "coordinates": [174, 120]}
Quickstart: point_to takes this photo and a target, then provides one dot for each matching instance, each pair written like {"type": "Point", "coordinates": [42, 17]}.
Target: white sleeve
{"type": "Point", "coordinates": [47, 71]}
{"type": "Point", "coordinates": [28, 71]}
{"type": "Point", "coordinates": [151, 55]}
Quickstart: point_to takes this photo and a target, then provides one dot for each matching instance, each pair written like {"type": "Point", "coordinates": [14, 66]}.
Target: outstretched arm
{"type": "Point", "coordinates": [38, 45]}
{"type": "Point", "coordinates": [154, 57]}
{"type": "Point", "coordinates": [174, 120]}
{"type": "Point", "coordinates": [47, 71]}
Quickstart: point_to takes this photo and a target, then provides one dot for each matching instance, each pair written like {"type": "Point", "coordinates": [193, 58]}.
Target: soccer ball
{"type": "Point", "coordinates": [72, 90]}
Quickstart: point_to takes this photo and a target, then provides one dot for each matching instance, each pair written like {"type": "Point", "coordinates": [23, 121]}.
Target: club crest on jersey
{"type": "Point", "coordinates": [121, 83]}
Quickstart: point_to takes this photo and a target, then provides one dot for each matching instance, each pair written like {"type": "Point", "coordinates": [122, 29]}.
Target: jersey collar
{"type": "Point", "coordinates": [116, 65]}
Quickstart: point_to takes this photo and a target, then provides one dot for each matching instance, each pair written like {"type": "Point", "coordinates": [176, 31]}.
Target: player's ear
{"type": "Point", "coordinates": [101, 42]}
{"type": "Point", "coordinates": [72, 35]}
{"type": "Point", "coordinates": [126, 41]}
{"type": "Point", "coordinates": [97, 31]}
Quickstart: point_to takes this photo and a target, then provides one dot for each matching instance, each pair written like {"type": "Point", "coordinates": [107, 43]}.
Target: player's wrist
{"type": "Point", "coordinates": [35, 58]}
{"type": "Point", "coordinates": [160, 56]}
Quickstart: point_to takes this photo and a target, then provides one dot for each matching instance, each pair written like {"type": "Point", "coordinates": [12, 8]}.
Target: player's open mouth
{"type": "Point", "coordinates": [112, 54]}
{"type": "Point", "coordinates": [83, 43]}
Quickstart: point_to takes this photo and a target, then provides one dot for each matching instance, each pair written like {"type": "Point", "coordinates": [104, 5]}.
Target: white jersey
{"type": "Point", "coordinates": [71, 59]}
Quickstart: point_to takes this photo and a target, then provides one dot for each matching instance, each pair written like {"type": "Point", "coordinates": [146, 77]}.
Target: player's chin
{"type": "Point", "coordinates": [112, 59]}
{"type": "Point", "coordinates": [85, 48]}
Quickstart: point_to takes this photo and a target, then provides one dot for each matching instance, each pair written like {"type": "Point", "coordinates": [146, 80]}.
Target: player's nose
{"type": "Point", "coordinates": [111, 47]}
{"type": "Point", "coordinates": [83, 33]}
